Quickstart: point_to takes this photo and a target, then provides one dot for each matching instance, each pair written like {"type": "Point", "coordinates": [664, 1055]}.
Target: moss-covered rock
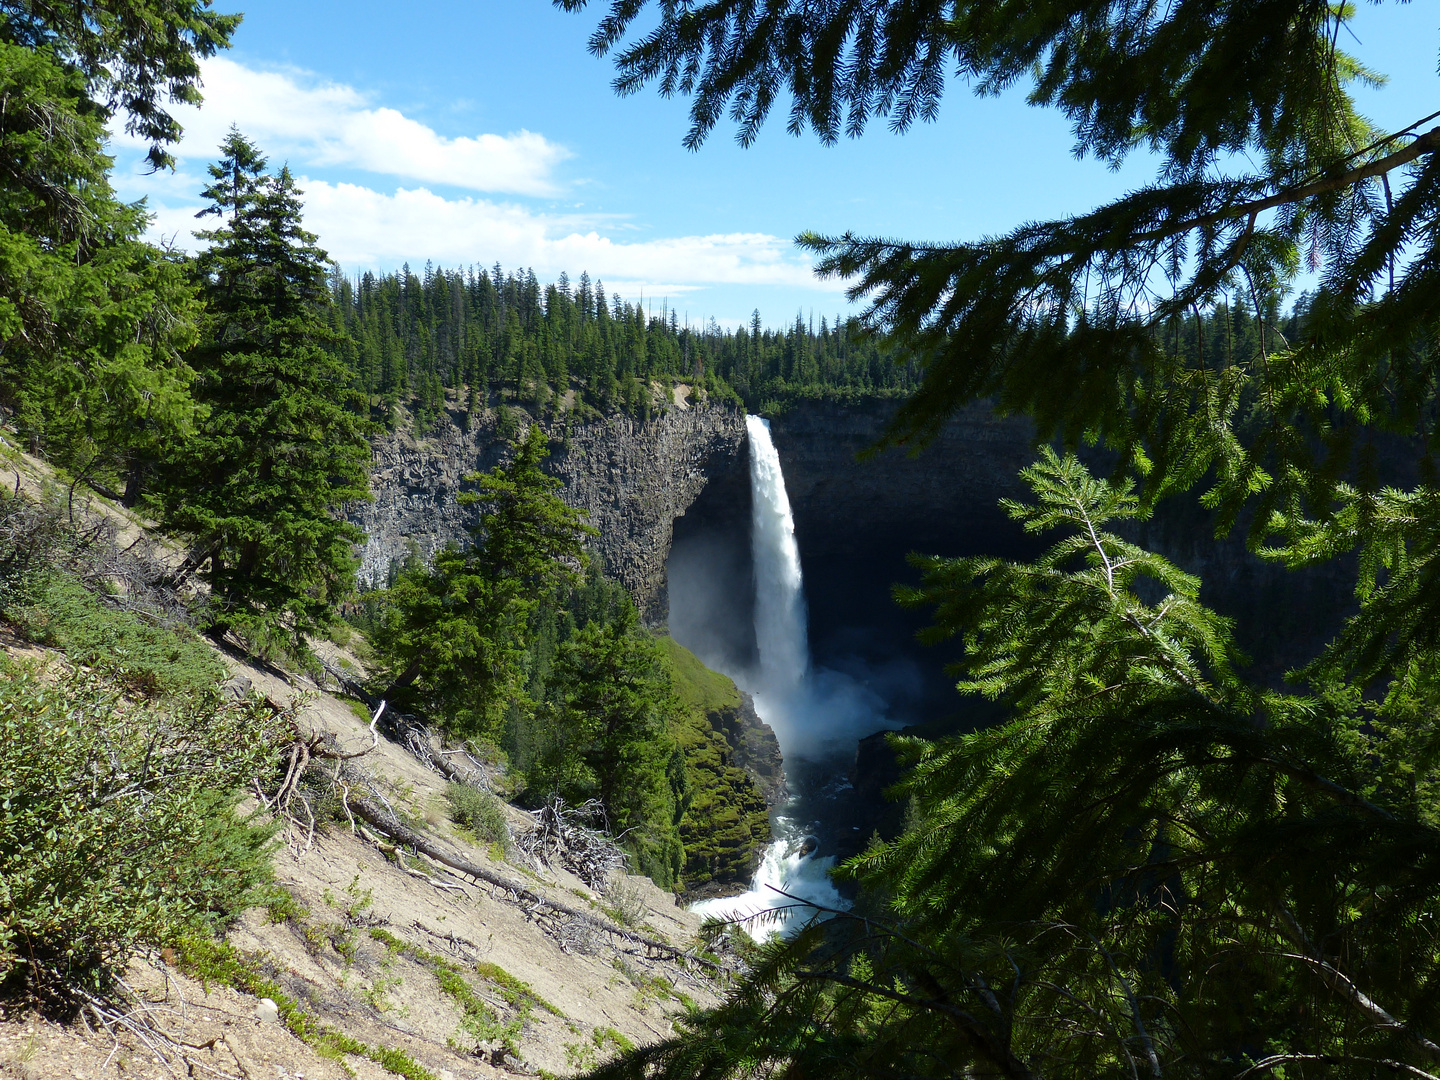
{"type": "Point", "coordinates": [726, 821]}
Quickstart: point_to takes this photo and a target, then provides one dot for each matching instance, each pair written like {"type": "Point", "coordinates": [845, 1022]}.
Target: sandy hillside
{"type": "Point", "coordinates": [367, 949]}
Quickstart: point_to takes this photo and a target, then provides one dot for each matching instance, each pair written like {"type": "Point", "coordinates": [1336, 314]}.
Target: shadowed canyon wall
{"type": "Point", "coordinates": [677, 488]}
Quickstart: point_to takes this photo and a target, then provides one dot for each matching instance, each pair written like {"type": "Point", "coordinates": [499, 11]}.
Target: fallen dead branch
{"type": "Point", "coordinates": [415, 735]}
{"type": "Point", "coordinates": [517, 890]}
{"type": "Point", "coordinates": [563, 837]}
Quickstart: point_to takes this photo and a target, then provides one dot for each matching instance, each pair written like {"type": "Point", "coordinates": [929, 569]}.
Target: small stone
{"type": "Point", "coordinates": [236, 687]}
{"type": "Point", "coordinates": [267, 1011]}
{"type": "Point", "coordinates": [446, 1074]}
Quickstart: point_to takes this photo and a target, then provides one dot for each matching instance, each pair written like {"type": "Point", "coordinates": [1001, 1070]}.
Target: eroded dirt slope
{"type": "Point", "coordinates": [461, 978]}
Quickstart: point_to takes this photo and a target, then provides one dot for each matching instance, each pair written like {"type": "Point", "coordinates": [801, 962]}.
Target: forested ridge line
{"type": "Point", "coordinates": [479, 331]}
{"type": "Point", "coordinates": [486, 334]}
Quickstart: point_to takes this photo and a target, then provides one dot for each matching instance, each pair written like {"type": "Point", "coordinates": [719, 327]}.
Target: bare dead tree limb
{"type": "Point", "coordinates": [368, 812]}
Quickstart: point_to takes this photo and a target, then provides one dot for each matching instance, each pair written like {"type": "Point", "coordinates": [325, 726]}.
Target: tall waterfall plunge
{"type": "Point", "coordinates": [784, 653]}
{"type": "Point", "coordinates": [810, 710]}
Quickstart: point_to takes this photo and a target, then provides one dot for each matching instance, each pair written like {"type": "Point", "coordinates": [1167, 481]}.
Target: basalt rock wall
{"type": "Point", "coordinates": [855, 520]}
{"type": "Point", "coordinates": [857, 517]}
{"type": "Point", "coordinates": [632, 477]}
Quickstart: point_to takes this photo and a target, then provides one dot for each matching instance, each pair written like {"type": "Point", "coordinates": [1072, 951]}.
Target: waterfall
{"type": "Point", "coordinates": [786, 698]}
{"type": "Point", "coordinates": [779, 588]}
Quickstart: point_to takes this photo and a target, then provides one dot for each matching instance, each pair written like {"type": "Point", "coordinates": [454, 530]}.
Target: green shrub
{"type": "Point", "coordinates": [118, 826]}
{"type": "Point", "coordinates": [147, 659]}
{"type": "Point", "coordinates": [625, 902]}
{"type": "Point", "coordinates": [218, 961]}
{"type": "Point", "coordinates": [46, 561]}
{"type": "Point", "coordinates": [481, 813]}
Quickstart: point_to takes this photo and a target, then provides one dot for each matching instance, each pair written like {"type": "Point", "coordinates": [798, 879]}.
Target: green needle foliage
{"type": "Point", "coordinates": [132, 54]}
{"type": "Point", "coordinates": [1265, 170]}
{"type": "Point", "coordinates": [507, 642]}
{"type": "Point", "coordinates": [92, 321]}
{"type": "Point", "coordinates": [491, 335]}
{"type": "Point", "coordinates": [606, 734]}
{"type": "Point", "coordinates": [1153, 866]}
{"type": "Point", "coordinates": [260, 484]}
{"type": "Point", "coordinates": [456, 634]}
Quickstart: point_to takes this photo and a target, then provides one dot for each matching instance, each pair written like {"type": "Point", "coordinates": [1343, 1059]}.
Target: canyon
{"type": "Point", "coordinates": [671, 500]}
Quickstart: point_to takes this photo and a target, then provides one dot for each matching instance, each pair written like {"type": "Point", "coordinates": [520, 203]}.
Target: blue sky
{"type": "Point", "coordinates": [483, 131]}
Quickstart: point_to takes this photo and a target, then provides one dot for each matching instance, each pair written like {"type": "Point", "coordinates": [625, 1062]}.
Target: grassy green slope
{"type": "Point", "coordinates": [726, 820]}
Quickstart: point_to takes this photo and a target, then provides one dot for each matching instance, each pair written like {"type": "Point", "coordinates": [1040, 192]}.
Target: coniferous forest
{"type": "Point", "coordinates": [479, 331]}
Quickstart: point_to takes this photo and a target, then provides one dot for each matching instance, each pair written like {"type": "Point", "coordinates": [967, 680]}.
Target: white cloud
{"type": "Point", "coordinates": [294, 116]}
{"type": "Point", "coordinates": [323, 128]}
{"type": "Point", "coordinates": [364, 228]}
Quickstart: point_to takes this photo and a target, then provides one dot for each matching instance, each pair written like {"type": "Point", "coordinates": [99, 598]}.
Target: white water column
{"type": "Point", "coordinates": [780, 635]}
{"type": "Point", "coordinates": [782, 689]}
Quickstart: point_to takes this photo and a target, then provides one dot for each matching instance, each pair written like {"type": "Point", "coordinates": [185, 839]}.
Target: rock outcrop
{"type": "Point", "coordinates": [735, 777]}
{"type": "Point", "coordinates": [753, 747]}
{"type": "Point", "coordinates": [632, 477]}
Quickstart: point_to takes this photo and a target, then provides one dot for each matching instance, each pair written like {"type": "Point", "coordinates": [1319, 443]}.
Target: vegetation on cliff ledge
{"type": "Point", "coordinates": [725, 822]}
{"type": "Point", "coordinates": [518, 640]}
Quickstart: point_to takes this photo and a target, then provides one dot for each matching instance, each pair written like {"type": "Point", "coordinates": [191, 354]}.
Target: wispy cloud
{"type": "Point", "coordinates": [365, 228]}
{"type": "Point", "coordinates": [323, 129]}
{"type": "Point", "coordinates": [295, 116]}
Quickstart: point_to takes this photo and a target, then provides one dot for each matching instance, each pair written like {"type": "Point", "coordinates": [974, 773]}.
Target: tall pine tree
{"type": "Point", "coordinates": [456, 634]}
{"type": "Point", "coordinates": [260, 486]}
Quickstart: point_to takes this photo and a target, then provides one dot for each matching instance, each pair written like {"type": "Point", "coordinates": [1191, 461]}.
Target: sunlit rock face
{"type": "Point", "coordinates": [632, 478]}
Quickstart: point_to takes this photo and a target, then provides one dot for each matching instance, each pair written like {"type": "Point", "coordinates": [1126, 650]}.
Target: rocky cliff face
{"type": "Point", "coordinates": [633, 478]}
{"type": "Point", "coordinates": [856, 520]}
{"type": "Point", "coordinates": [753, 747]}
{"type": "Point", "coordinates": [726, 824]}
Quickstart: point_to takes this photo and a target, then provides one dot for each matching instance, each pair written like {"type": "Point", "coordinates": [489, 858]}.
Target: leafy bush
{"type": "Point", "coordinates": [481, 813]}
{"type": "Point", "coordinates": [146, 658]}
{"type": "Point", "coordinates": [57, 586]}
{"type": "Point", "coordinates": [625, 902]}
{"type": "Point", "coordinates": [33, 540]}
{"type": "Point", "coordinates": [118, 826]}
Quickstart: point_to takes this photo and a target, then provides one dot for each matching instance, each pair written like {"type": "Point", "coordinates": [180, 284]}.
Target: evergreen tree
{"type": "Point", "coordinates": [260, 485]}
{"type": "Point", "coordinates": [554, 349]}
{"type": "Point", "coordinates": [457, 634]}
{"type": "Point", "coordinates": [92, 321]}
{"type": "Point", "coordinates": [1153, 866]}
{"type": "Point", "coordinates": [607, 737]}
{"type": "Point", "coordinates": [131, 55]}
